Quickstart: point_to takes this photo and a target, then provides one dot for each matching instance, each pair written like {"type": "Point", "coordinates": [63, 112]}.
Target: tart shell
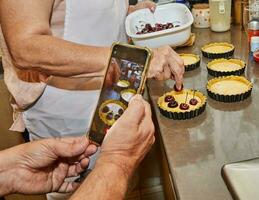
{"type": "Point", "coordinates": [230, 98]}
{"type": "Point", "coordinates": [102, 115]}
{"type": "Point", "coordinates": [194, 65]}
{"type": "Point", "coordinates": [210, 55]}
{"type": "Point", "coordinates": [238, 72]}
{"type": "Point", "coordinates": [185, 114]}
{"type": "Point", "coordinates": [127, 90]}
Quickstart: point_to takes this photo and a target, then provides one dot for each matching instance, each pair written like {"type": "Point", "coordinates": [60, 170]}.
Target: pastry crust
{"type": "Point", "coordinates": [229, 88]}
{"type": "Point", "coordinates": [191, 61]}
{"type": "Point", "coordinates": [114, 106]}
{"type": "Point", "coordinates": [180, 97]}
{"type": "Point", "coordinates": [127, 94]}
{"type": "Point", "coordinates": [226, 67]}
{"type": "Point", "coordinates": [218, 50]}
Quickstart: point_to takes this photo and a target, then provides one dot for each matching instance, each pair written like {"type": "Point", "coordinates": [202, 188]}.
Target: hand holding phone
{"type": "Point", "coordinates": [125, 77]}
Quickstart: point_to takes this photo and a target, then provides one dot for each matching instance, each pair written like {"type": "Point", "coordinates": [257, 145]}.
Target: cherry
{"type": "Point", "coordinates": [105, 109]}
{"type": "Point", "coordinates": [158, 27]}
{"type": "Point", "coordinates": [149, 27]}
{"type": "Point", "coordinates": [184, 106]}
{"type": "Point", "coordinates": [175, 88]}
{"type": "Point", "coordinates": [169, 98]}
{"type": "Point", "coordinates": [120, 111]}
{"type": "Point", "coordinates": [116, 117]}
{"type": "Point", "coordinates": [172, 104]}
{"type": "Point", "coordinates": [109, 116]}
{"type": "Point", "coordinates": [169, 25]}
{"type": "Point", "coordinates": [193, 102]}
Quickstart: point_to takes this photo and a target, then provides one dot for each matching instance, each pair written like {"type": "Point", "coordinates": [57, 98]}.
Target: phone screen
{"type": "Point", "coordinates": [124, 78]}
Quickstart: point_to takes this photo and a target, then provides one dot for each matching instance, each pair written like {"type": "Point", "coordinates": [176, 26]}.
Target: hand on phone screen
{"type": "Point", "coordinates": [113, 73]}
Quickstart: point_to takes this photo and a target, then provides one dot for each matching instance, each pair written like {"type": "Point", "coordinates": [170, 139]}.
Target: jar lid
{"type": "Point", "coordinates": [201, 6]}
{"type": "Point", "coordinates": [253, 25]}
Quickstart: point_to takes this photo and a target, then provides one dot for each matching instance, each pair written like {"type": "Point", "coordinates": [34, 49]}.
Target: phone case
{"type": "Point", "coordinates": [97, 139]}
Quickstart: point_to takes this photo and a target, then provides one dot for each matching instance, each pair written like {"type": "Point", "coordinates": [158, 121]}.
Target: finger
{"type": "Point", "coordinates": [68, 187]}
{"type": "Point", "coordinates": [176, 56]}
{"type": "Point", "coordinates": [150, 5]}
{"type": "Point", "coordinates": [135, 111]}
{"type": "Point", "coordinates": [147, 122]}
{"type": "Point", "coordinates": [117, 71]}
{"type": "Point", "coordinates": [159, 76]}
{"type": "Point", "coordinates": [90, 150]}
{"type": "Point", "coordinates": [76, 169]}
{"type": "Point", "coordinates": [70, 147]}
{"type": "Point", "coordinates": [167, 73]}
{"type": "Point", "coordinates": [177, 72]}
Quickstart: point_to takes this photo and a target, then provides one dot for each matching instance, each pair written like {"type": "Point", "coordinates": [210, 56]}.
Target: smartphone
{"type": "Point", "coordinates": [242, 179]}
{"type": "Point", "coordinates": [125, 76]}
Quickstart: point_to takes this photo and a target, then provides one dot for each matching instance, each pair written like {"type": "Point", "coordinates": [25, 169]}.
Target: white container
{"type": "Point", "coordinates": [172, 12]}
{"type": "Point", "coordinates": [220, 15]}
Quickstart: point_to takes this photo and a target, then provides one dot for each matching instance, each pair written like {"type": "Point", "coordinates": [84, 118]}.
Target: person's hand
{"type": "Point", "coordinates": [166, 64]}
{"type": "Point", "coordinates": [130, 138]}
{"type": "Point", "coordinates": [141, 5]}
{"type": "Point", "coordinates": [40, 167]}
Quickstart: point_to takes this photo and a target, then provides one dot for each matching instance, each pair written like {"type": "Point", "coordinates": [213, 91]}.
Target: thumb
{"type": "Point", "coordinates": [135, 111]}
{"type": "Point", "coordinates": [70, 147]}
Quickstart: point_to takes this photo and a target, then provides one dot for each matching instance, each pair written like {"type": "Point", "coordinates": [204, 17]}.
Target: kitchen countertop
{"type": "Point", "coordinates": [197, 149]}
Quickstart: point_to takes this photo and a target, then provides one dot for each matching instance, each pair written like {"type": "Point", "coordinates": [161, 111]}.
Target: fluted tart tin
{"type": "Point", "coordinates": [110, 111]}
{"type": "Point", "coordinates": [182, 105]}
{"type": "Point", "coordinates": [191, 61]}
{"type": "Point", "coordinates": [218, 50]}
{"type": "Point", "coordinates": [226, 67]}
{"type": "Point", "coordinates": [229, 89]}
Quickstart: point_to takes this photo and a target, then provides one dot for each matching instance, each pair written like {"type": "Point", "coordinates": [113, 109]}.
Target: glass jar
{"type": "Point", "coordinates": [253, 29]}
{"type": "Point", "coordinates": [220, 15]}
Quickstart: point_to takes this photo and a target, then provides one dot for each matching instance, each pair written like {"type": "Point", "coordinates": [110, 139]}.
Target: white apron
{"type": "Point", "coordinates": [60, 112]}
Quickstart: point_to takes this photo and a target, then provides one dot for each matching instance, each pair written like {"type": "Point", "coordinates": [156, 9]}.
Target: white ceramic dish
{"type": "Point", "coordinates": [175, 13]}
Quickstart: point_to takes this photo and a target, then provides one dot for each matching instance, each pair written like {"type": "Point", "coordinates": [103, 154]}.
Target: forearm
{"type": "Point", "coordinates": [5, 174]}
{"type": "Point", "coordinates": [108, 180]}
{"type": "Point", "coordinates": [54, 56]}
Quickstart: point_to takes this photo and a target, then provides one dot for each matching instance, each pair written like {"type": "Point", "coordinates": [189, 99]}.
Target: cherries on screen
{"type": "Point", "coordinates": [158, 27]}
{"type": "Point", "coordinates": [105, 109]}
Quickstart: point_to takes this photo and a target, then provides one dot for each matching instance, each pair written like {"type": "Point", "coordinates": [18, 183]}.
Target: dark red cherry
{"type": "Point", "coordinates": [184, 106]}
{"type": "Point", "coordinates": [105, 109]}
{"type": "Point", "coordinates": [172, 104]}
{"type": "Point", "coordinates": [109, 116]}
{"type": "Point", "coordinates": [120, 111]}
{"type": "Point", "coordinates": [116, 117]}
{"type": "Point", "coordinates": [169, 25]}
{"type": "Point", "coordinates": [169, 98]}
{"type": "Point", "coordinates": [175, 88]}
{"type": "Point", "coordinates": [193, 102]}
{"type": "Point", "coordinates": [148, 27]}
{"type": "Point", "coordinates": [164, 27]}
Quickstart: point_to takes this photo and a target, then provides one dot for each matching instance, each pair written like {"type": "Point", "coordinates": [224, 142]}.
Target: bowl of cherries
{"type": "Point", "coordinates": [170, 25]}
